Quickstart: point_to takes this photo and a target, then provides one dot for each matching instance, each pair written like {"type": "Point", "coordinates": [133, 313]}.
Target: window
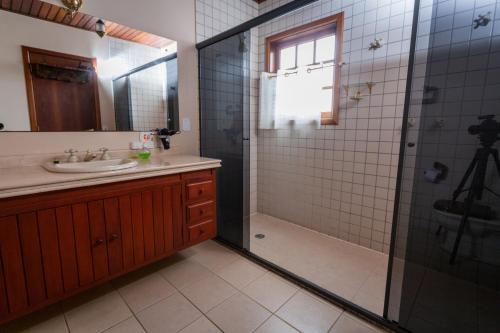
{"type": "Point", "coordinates": [315, 47]}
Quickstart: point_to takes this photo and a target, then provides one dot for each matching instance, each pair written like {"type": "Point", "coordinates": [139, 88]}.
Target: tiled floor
{"type": "Point", "coordinates": [204, 289]}
{"type": "Point", "coordinates": [353, 272]}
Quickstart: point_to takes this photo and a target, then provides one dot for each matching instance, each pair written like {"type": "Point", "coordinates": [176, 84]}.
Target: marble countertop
{"type": "Point", "coordinates": [35, 179]}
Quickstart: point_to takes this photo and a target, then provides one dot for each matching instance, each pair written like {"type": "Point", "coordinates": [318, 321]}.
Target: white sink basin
{"type": "Point", "coordinates": [94, 166]}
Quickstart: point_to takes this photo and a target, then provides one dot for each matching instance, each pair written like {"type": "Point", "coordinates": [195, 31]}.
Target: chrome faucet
{"type": "Point", "coordinates": [105, 154]}
{"type": "Point", "coordinates": [72, 158]}
{"type": "Point", "coordinates": [89, 156]}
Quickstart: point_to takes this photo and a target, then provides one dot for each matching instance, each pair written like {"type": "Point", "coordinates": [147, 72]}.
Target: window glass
{"type": "Point", "coordinates": [305, 54]}
{"type": "Point", "coordinates": [287, 58]}
{"type": "Point", "coordinates": [325, 49]}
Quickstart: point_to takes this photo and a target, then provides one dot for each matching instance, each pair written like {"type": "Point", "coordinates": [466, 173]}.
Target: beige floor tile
{"type": "Point", "coordinates": [53, 325]}
{"type": "Point", "coordinates": [370, 302]}
{"type": "Point", "coordinates": [241, 272]}
{"type": "Point", "coordinates": [271, 291]}
{"type": "Point", "coordinates": [214, 256]}
{"type": "Point", "coordinates": [169, 316]}
{"type": "Point", "coordinates": [239, 314]}
{"type": "Point", "coordinates": [347, 324]}
{"type": "Point", "coordinates": [202, 325]}
{"type": "Point", "coordinates": [130, 325]}
{"type": "Point", "coordinates": [146, 291]}
{"type": "Point", "coordinates": [275, 325]}
{"type": "Point", "coordinates": [208, 292]}
{"type": "Point", "coordinates": [98, 314]}
{"type": "Point", "coordinates": [184, 273]}
{"type": "Point", "coordinates": [309, 314]}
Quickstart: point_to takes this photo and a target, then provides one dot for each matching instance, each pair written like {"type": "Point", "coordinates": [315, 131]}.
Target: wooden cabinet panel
{"type": "Point", "coordinates": [4, 306]}
{"type": "Point", "coordinates": [178, 216]}
{"type": "Point", "coordinates": [32, 255]}
{"type": "Point", "coordinates": [66, 235]}
{"type": "Point", "coordinates": [159, 223]}
{"type": "Point", "coordinates": [137, 227]}
{"type": "Point", "coordinates": [83, 244]}
{"type": "Point", "coordinates": [55, 244]}
{"type": "Point", "coordinates": [12, 262]}
{"type": "Point", "coordinates": [49, 243]}
{"type": "Point", "coordinates": [168, 218]}
{"type": "Point", "coordinates": [148, 224]}
{"type": "Point", "coordinates": [127, 231]}
{"type": "Point", "coordinates": [98, 239]}
{"type": "Point", "coordinates": [113, 234]}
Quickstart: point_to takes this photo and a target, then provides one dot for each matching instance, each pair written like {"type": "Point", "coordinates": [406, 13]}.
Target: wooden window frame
{"type": "Point", "coordinates": [313, 30]}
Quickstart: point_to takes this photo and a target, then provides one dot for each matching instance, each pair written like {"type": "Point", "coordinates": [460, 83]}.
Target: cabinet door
{"type": "Point", "coordinates": [98, 239]}
{"type": "Point", "coordinates": [12, 265]}
{"type": "Point", "coordinates": [113, 235]}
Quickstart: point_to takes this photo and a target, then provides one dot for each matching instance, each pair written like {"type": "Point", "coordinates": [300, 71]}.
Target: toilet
{"type": "Point", "coordinates": [481, 241]}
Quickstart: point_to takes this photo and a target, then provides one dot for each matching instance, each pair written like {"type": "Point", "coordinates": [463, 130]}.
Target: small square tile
{"type": "Point", "coordinates": [239, 314]}
{"type": "Point", "coordinates": [169, 316]}
{"type": "Point", "coordinates": [309, 314]}
{"type": "Point", "coordinates": [270, 291]}
{"type": "Point", "coordinates": [208, 292]}
{"type": "Point", "coordinates": [98, 314]}
{"type": "Point", "coordinates": [146, 291]}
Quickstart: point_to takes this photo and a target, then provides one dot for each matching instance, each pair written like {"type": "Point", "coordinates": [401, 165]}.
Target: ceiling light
{"type": "Point", "coordinates": [72, 6]}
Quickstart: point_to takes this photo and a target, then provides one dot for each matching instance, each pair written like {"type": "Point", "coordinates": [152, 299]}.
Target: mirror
{"type": "Point", "coordinates": [57, 74]}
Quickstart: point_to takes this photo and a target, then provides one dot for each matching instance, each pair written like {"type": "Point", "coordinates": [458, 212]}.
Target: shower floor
{"type": "Point", "coordinates": [352, 272]}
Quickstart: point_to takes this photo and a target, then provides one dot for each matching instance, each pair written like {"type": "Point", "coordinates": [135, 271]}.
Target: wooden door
{"type": "Point", "coordinates": [62, 91]}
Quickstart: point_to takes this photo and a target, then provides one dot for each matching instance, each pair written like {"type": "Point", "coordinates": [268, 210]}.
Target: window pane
{"type": "Point", "coordinates": [325, 49]}
{"type": "Point", "coordinates": [287, 58]}
{"type": "Point", "coordinates": [305, 54]}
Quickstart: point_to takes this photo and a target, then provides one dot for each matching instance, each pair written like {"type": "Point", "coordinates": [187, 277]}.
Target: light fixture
{"type": "Point", "coordinates": [100, 28]}
{"type": "Point", "coordinates": [72, 6]}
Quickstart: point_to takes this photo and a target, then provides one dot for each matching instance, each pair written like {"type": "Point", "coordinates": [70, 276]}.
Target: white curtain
{"type": "Point", "coordinates": [295, 97]}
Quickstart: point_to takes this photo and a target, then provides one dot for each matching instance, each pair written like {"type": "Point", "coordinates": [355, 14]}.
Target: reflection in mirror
{"type": "Point", "coordinates": [57, 77]}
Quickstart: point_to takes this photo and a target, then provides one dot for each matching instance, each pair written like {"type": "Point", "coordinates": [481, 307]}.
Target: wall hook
{"type": "Point", "coordinates": [482, 20]}
{"type": "Point", "coordinates": [376, 44]}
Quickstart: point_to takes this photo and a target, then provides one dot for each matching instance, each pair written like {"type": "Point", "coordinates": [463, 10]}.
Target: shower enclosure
{"type": "Point", "coordinates": [367, 194]}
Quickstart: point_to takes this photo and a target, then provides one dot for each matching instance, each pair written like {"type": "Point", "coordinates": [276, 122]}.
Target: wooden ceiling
{"type": "Point", "coordinates": [53, 13]}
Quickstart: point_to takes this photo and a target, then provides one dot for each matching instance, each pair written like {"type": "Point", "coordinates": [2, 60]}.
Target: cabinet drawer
{"type": "Point", "coordinates": [200, 190]}
{"type": "Point", "coordinates": [200, 211]}
{"type": "Point", "coordinates": [202, 231]}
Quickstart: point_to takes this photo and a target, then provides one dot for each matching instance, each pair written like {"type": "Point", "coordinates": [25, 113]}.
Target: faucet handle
{"type": "Point", "coordinates": [71, 151]}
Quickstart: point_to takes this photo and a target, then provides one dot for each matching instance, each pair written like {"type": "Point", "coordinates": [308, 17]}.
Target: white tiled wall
{"type": "Point", "coordinates": [148, 93]}
{"type": "Point", "coordinates": [339, 180]}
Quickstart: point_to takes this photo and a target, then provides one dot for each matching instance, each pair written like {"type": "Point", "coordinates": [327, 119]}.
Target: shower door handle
{"type": "Point", "coordinates": [246, 139]}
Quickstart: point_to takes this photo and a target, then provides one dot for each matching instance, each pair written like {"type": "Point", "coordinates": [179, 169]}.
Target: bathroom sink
{"type": "Point", "coordinates": [94, 166]}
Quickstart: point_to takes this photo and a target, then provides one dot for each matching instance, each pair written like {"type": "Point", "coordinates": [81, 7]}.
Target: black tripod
{"type": "Point", "coordinates": [488, 134]}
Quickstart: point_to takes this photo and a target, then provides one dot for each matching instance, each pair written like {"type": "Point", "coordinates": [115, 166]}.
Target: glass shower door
{"type": "Point", "coordinates": [446, 248]}
{"type": "Point", "coordinates": [224, 132]}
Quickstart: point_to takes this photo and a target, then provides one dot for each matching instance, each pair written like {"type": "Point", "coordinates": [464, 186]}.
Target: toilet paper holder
{"type": "Point", "coordinates": [438, 173]}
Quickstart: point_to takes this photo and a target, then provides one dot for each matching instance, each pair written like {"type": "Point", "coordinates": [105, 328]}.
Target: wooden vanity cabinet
{"type": "Point", "coordinates": [56, 244]}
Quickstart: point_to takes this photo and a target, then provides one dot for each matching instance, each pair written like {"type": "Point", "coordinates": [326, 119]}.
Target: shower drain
{"type": "Point", "coordinates": [260, 236]}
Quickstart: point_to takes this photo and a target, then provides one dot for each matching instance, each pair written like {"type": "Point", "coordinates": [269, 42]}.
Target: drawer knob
{"type": "Point", "coordinates": [200, 191]}
{"type": "Point", "coordinates": [202, 212]}
{"type": "Point", "coordinates": [99, 242]}
{"type": "Point", "coordinates": [201, 232]}
{"type": "Point", "coordinates": [113, 237]}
